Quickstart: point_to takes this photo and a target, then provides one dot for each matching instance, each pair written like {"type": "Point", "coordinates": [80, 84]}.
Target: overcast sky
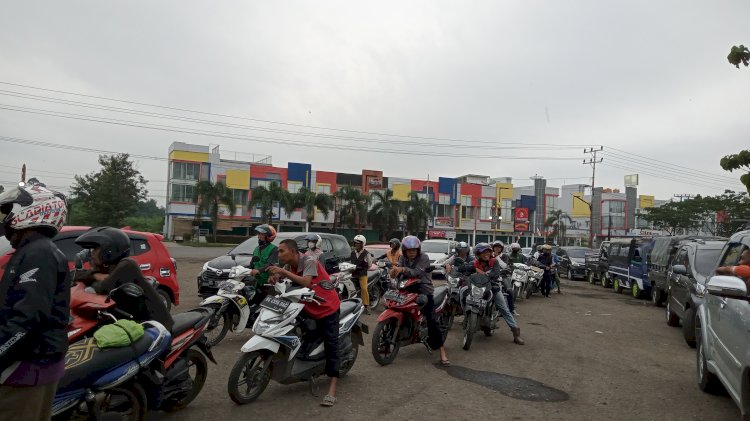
{"type": "Point", "coordinates": [648, 78]}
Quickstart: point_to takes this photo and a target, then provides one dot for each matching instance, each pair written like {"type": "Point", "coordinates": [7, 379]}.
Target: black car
{"type": "Point", "coordinates": [572, 261]}
{"type": "Point", "coordinates": [693, 263]}
{"type": "Point", "coordinates": [335, 250]}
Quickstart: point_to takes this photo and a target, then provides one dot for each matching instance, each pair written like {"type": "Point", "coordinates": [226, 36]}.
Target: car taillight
{"type": "Point", "coordinates": [174, 263]}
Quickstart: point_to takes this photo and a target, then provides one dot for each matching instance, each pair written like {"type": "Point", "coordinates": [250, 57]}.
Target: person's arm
{"type": "Point", "coordinates": [420, 269]}
{"type": "Point", "coordinates": [36, 283]}
{"type": "Point", "coordinates": [273, 259]}
{"type": "Point", "coordinates": [308, 273]}
{"type": "Point", "coordinates": [724, 270]}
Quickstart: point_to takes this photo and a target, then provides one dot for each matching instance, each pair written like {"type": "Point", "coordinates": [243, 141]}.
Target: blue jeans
{"type": "Point", "coordinates": [502, 307]}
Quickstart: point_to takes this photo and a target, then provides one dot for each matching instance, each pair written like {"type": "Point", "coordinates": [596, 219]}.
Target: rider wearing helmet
{"type": "Point", "coordinates": [489, 266]}
{"type": "Point", "coordinates": [462, 259]}
{"type": "Point", "coordinates": [546, 262]}
{"type": "Point", "coordinates": [362, 259]}
{"type": "Point", "coordinates": [34, 302]}
{"type": "Point", "coordinates": [516, 256]}
{"type": "Point", "coordinates": [313, 245]}
{"type": "Point", "coordinates": [415, 264]}
{"type": "Point", "coordinates": [266, 252]}
{"type": "Point", "coordinates": [111, 268]}
{"type": "Point", "coordinates": [497, 250]}
{"type": "Point", "coordinates": [394, 254]}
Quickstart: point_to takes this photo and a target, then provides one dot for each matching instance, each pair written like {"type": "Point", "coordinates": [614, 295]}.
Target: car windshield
{"type": "Point", "coordinates": [578, 253]}
{"type": "Point", "coordinates": [435, 247]}
{"type": "Point", "coordinates": [4, 246]}
{"type": "Point", "coordinates": [248, 246]}
{"type": "Point", "coordinates": [705, 260]}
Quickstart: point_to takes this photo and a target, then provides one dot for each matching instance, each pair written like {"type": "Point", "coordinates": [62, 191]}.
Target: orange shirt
{"type": "Point", "coordinates": [741, 271]}
{"type": "Point", "coordinates": [393, 257]}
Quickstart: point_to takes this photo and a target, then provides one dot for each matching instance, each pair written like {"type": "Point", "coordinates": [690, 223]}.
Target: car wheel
{"type": "Point", "coordinates": [636, 291]}
{"type": "Point", "coordinates": [707, 381]}
{"type": "Point", "coordinates": [604, 278]}
{"type": "Point", "coordinates": [657, 296]}
{"type": "Point", "coordinates": [590, 277]}
{"type": "Point", "coordinates": [165, 299]}
{"type": "Point", "coordinates": [616, 285]}
{"type": "Point", "coordinates": [672, 319]}
{"type": "Point", "coordinates": [688, 327]}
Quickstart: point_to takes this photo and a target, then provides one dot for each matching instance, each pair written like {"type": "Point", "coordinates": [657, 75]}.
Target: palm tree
{"type": "Point", "coordinates": [385, 212]}
{"type": "Point", "coordinates": [266, 197]}
{"type": "Point", "coordinates": [352, 206]}
{"type": "Point", "coordinates": [309, 201]}
{"type": "Point", "coordinates": [418, 211]}
{"type": "Point", "coordinates": [556, 220]}
{"type": "Point", "coordinates": [208, 196]}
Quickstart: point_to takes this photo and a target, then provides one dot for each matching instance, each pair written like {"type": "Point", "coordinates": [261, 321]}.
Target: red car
{"type": "Point", "coordinates": [145, 248]}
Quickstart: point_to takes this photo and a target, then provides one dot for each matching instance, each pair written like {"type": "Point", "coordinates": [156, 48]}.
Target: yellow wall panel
{"type": "Point", "coordinates": [504, 191]}
{"type": "Point", "coordinates": [238, 179]}
{"type": "Point", "coordinates": [401, 191]}
{"type": "Point", "coordinates": [189, 156]}
{"type": "Point", "coordinates": [646, 201]}
{"type": "Point", "coordinates": [580, 208]}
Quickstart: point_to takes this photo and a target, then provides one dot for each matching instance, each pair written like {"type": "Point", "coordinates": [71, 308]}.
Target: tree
{"type": "Point", "coordinates": [418, 211]}
{"type": "Point", "coordinates": [34, 180]}
{"type": "Point", "coordinates": [739, 161]}
{"type": "Point", "coordinates": [384, 213]}
{"type": "Point", "coordinates": [309, 201]}
{"type": "Point", "coordinates": [266, 198]}
{"type": "Point", "coordinates": [670, 217]}
{"type": "Point", "coordinates": [739, 54]}
{"type": "Point", "coordinates": [109, 196]}
{"type": "Point", "coordinates": [352, 206]}
{"type": "Point", "coordinates": [208, 197]}
{"type": "Point", "coordinates": [556, 221]}
{"type": "Point", "coordinates": [148, 217]}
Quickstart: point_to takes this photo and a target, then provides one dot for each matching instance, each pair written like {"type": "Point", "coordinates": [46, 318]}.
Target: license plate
{"type": "Point", "coordinates": [394, 296]}
{"type": "Point", "coordinates": [276, 304]}
{"type": "Point", "coordinates": [478, 301]}
{"type": "Point", "coordinates": [455, 290]}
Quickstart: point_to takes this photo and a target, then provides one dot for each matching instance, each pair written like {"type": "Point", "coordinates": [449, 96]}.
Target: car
{"type": "Point", "coordinates": [723, 330]}
{"type": "Point", "coordinates": [335, 250]}
{"type": "Point", "coordinates": [378, 251]}
{"type": "Point", "coordinates": [692, 264]}
{"type": "Point", "coordinates": [572, 261]}
{"type": "Point", "coordinates": [438, 251]}
{"type": "Point", "coordinates": [145, 248]}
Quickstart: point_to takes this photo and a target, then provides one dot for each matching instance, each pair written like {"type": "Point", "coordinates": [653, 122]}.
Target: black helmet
{"type": "Point", "coordinates": [395, 241]}
{"type": "Point", "coordinates": [462, 246]}
{"type": "Point", "coordinates": [114, 243]}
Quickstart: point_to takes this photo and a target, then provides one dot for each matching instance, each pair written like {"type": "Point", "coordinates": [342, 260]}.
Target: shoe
{"type": "Point", "coordinates": [367, 310]}
{"type": "Point", "coordinates": [517, 336]}
{"type": "Point", "coordinates": [445, 363]}
{"type": "Point", "coordinates": [328, 400]}
{"type": "Point", "coordinates": [515, 313]}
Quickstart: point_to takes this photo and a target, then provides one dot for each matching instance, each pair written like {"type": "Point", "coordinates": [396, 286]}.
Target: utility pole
{"type": "Point", "coordinates": [592, 161]}
{"type": "Point", "coordinates": [683, 196]}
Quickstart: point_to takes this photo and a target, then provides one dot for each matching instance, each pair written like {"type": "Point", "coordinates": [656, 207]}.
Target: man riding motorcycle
{"type": "Point", "coordinates": [111, 268]}
{"type": "Point", "coordinates": [394, 253]}
{"type": "Point", "coordinates": [504, 261]}
{"type": "Point", "coordinates": [266, 252]}
{"type": "Point", "coordinates": [516, 256]}
{"type": "Point", "coordinates": [489, 266]}
{"type": "Point", "coordinates": [462, 254]}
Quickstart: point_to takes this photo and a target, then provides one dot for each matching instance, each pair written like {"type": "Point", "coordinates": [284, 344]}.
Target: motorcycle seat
{"type": "Point", "coordinates": [187, 320]}
{"type": "Point", "coordinates": [349, 306]}
{"type": "Point", "coordinates": [85, 362]}
{"type": "Point", "coordinates": [439, 294]}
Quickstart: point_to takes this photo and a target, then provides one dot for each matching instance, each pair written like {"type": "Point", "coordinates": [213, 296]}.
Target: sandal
{"type": "Point", "coordinates": [328, 400]}
{"type": "Point", "coordinates": [445, 363]}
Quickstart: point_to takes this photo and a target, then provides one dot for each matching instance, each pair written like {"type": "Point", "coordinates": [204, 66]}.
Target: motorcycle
{"type": "Point", "coordinates": [479, 308]}
{"type": "Point", "coordinates": [102, 383]}
{"type": "Point", "coordinates": [402, 322]}
{"type": "Point", "coordinates": [456, 281]}
{"type": "Point", "coordinates": [534, 280]}
{"type": "Point", "coordinates": [520, 279]}
{"type": "Point", "coordinates": [348, 288]}
{"type": "Point", "coordinates": [233, 304]}
{"type": "Point", "coordinates": [280, 348]}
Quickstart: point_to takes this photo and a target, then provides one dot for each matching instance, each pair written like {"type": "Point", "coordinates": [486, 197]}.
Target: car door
{"type": "Point", "coordinates": [327, 248]}
{"type": "Point", "coordinates": [676, 284]}
{"type": "Point", "coordinates": [635, 268]}
{"type": "Point", "coordinates": [140, 251]}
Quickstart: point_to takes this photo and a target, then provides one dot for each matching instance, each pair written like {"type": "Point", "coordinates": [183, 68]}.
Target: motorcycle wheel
{"type": "Point", "coordinates": [374, 293]}
{"type": "Point", "coordinates": [249, 377]}
{"type": "Point", "coordinates": [516, 292]}
{"type": "Point", "coordinates": [385, 339]}
{"type": "Point", "coordinates": [529, 291]}
{"type": "Point", "coordinates": [198, 371]}
{"type": "Point", "coordinates": [349, 363]}
{"type": "Point", "coordinates": [470, 326]}
{"type": "Point", "coordinates": [217, 327]}
{"type": "Point", "coordinates": [451, 319]}
{"type": "Point", "coordinates": [127, 403]}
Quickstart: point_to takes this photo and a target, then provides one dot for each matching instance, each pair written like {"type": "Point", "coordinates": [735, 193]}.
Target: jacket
{"type": "Point", "coordinates": [517, 257]}
{"type": "Point", "coordinates": [417, 268]}
{"type": "Point", "coordinates": [544, 260]}
{"type": "Point", "coordinates": [268, 255]}
{"type": "Point", "coordinates": [34, 303]}
{"type": "Point", "coordinates": [362, 261]}
{"type": "Point", "coordinates": [125, 271]}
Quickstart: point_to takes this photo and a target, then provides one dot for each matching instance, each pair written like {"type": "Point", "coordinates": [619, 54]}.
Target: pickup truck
{"type": "Point", "coordinates": [597, 265]}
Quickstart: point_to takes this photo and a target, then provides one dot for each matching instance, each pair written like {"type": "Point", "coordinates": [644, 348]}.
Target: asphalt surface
{"type": "Point", "coordinates": [590, 354]}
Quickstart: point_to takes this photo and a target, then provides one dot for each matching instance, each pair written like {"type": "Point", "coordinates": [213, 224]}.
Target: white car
{"type": "Point", "coordinates": [438, 251]}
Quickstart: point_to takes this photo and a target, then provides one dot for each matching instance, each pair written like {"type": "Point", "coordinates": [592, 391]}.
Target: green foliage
{"type": "Point", "coordinates": [557, 221]}
{"type": "Point", "coordinates": [309, 201]}
{"type": "Point", "coordinates": [351, 206]}
{"type": "Point", "coordinates": [109, 196]}
{"type": "Point", "coordinates": [267, 198]}
{"type": "Point", "coordinates": [385, 213]}
{"type": "Point", "coordinates": [739, 161]}
{"type": "Point", "coordinates": [739, 54]}
{"type": "Point", "coordinates": [153, 224]}
{"type": "Point", "coordinates": [717, 215]}
{"type": "Point", "coordinates": [208, 197]}
{"type": "Point", "coordinates": [418, 211]}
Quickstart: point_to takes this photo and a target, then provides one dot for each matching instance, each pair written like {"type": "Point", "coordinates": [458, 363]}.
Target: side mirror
{"type": "Point", "coordinates": [679, 270]}
{"type": "Point", "coordinates": [727, 287]}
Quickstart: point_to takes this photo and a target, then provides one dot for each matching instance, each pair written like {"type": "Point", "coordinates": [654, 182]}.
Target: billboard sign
{"type": "Point", "coordinates": [443, 221]}
{"type": "Point", "coordinates": [521, 219]}
{"type": "Point", "coordinates": [374, 182]}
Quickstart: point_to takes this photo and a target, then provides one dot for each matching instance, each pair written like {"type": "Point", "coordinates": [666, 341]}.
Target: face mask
{"type": "Point", "coordinates": [311, 245]}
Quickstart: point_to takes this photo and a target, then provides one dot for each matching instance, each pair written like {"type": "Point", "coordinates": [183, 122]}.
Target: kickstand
{"type": "Point", "coordinates": [313, 387]}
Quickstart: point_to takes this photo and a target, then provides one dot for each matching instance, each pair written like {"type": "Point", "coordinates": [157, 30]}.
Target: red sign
{"type": "Point", "coordinates": [521, 219]}
{"type": "Point", "coordinates": [436, 234]}
{"type": "Point", "coordinates": [443, 221]}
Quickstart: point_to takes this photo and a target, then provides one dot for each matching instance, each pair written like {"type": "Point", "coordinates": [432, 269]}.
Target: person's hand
{"type": "Point", "coordinates": [278, 272]}
{"type": "Point", "coordinates": [396, 271]}
{"type": "Point", "coordinates": [254, 272]}
{"type": "Point", "coordinates": [448, 268]}
{"type": "Point", "coordinates": [100, 276]}
{"type": "Point", "coordinates": [273, 279]}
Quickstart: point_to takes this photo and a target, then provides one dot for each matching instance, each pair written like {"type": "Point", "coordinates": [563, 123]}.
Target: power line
{"type": "Point", "coordinates": [680, 169]}
{"type": "Point", "coordinates": [662, 176]}
{"type": "Point", "coordinates": [209, 133]}
{"type": "Point", "coordinates": [664, 162]}
{"type": "Point", "coordinates": [666, 172]}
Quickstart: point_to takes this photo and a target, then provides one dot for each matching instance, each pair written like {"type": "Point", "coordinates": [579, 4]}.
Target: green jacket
{"type": "Point", "coordinates": [269, 256]}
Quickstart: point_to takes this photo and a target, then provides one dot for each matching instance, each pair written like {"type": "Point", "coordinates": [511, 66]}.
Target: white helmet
{"type": "Point", "coordinates": [361, 239]}
{"type": "Point", "coordinates": [34, 206]}
{"type": "Point", "coordinates": [314, 238]}
{"type": "Point", "coordinates": [515, 246]}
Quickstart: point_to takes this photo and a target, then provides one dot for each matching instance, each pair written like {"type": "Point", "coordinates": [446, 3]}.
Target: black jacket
{"type": "Point", "coordinates": [125, 271]}
{"type": "Point", "coordinates": [362, 261]}
{"type": "Point", "coordinates": [34, 303]}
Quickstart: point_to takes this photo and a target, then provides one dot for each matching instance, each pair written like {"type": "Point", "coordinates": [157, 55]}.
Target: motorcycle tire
{"type": "Point", "coordinates": [374, 293]}
{"type": "Point", "coordinates": [449, 324]}
{"type": "Point", "coordinates": [516, 292]}
{"type": "Point", "coordinates": [247, 362]}
{"type": "Point", "coordinates": [470, 326]}
{"type": "Point", "coordinates": [128, 402]}
{"type": "Point", "coordinates": [529, 291]}
{"type": "Point", "coordinates": [347, 364]}
{"type": "Point", "coordinates": [382, 331]}
{"type": "Point", "coordinates": [218, 327]}
{"type": "Point", "coordinates": [195, 360]}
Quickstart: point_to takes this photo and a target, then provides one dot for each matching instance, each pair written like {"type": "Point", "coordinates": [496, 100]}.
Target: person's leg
{"type": "Point", "coordinates": [363, 290]}
{"type": "Point", "coordinates": [502, 307]}
{"type": "Point", "coordinates": [328, 328]}
{"type": "Point", "coordinates": [557, 280]}
{"type": "Point", "coordinates": [27, 402]}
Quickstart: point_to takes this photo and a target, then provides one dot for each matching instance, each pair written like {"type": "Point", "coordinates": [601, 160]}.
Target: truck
{"type": "Point", "coordinates": [628, 265]}
{"type": "Point", "coordinates": [597, 265]}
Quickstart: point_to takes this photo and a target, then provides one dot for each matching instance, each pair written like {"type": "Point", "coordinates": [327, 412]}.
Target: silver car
{"type": "Point", "coordinates": [723, 331]}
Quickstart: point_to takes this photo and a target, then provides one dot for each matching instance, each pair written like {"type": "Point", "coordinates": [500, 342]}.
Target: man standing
{"type": "Point", "coordinates": [34, 303]}
{"type": "Point", "coordinates": [361, 258]}
{"type": "Point", "coordinates": [307, 271]}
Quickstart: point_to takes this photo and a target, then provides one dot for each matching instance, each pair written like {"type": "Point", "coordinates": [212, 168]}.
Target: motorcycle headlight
{"type": "Point", "coordinates": [477, 292]}
{"type": "Point", "coordinates": [453, 281]}
{"type": "Point", "coordinates": [262, 327]}
{"type": "Point", "coordinates": [226, 285]}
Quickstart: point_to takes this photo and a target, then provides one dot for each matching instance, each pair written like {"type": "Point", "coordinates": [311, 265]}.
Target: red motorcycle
{"type": "Point", "coordinates": [402, 323]}
{"type": "Point", "coordinates": [172, 381]}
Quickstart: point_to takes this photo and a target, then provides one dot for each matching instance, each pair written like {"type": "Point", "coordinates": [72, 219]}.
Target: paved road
{"type": "Point", "coordinates": [593, 354]}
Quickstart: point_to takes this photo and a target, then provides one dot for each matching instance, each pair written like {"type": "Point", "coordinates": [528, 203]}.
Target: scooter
{"type": "Point", "coordinates": [280, 348]}
{"type": "Point", "coordinates": [456, 281]}
{"type": "Point", "coordinates": [343, 282]}
{"type": "Point", "coordinates": [233, 305]}
{"type": "Point", "coordinates": [102, 383]}
{"type": "Point", "coordinates": [402, 323]}
{"type": "Point", "coordinates": [479, 308]}
{"type": "Point", "coordinates": [534, 280]}
{"type": "Point", "coordinates": [520, 279]}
